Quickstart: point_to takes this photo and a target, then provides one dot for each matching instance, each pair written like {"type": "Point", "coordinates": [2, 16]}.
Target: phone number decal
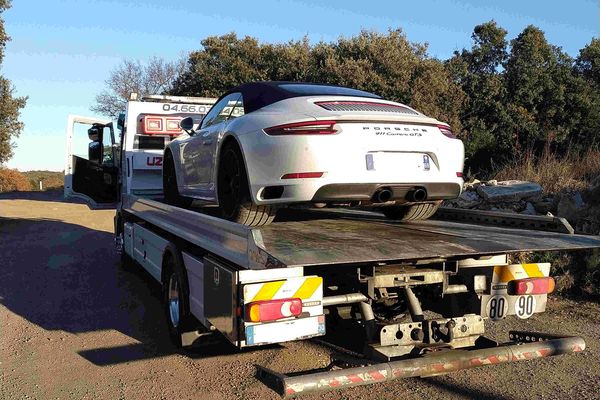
{"type": "Point", "coordinates": [191, 108]}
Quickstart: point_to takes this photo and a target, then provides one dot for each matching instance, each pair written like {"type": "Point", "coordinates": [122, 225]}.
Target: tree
{"type": "Point", "coordinates": [154, 77]}
{"type": "Point", "coordinates": [588, 62]}
{"type": "Point", "coordinates": [538, 79]}
{"type": "Point", "coordinates": [584, 98]}
{"type": "Point", "coordinates": [10, 106]}
{"type": "Point", "coordinates": [484, 114]}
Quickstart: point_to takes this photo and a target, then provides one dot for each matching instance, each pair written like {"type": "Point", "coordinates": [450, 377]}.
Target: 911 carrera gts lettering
{"type": "Point", "coordinates": [415, 134]}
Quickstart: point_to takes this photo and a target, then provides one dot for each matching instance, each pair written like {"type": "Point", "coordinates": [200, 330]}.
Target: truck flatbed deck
{"type": "Point", "coordinates": [310, 237]}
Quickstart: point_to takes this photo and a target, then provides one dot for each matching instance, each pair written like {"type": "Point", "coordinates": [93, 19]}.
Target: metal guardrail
{"type": "Point", "coordinates": [524, 346]}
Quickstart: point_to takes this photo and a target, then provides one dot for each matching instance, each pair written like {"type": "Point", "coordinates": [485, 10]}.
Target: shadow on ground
{"type": "Point", "coordinates": [64, 276]}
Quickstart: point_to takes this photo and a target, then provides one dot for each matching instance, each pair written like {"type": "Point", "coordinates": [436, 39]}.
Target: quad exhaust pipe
{"type": "Point", "coordinates": [385, 194]}
{"type": "Point", "coordinates": [419, 194]}
{"type": "Point", "coordinates": [382, 195]}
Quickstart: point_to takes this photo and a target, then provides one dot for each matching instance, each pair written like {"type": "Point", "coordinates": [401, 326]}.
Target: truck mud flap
{"type": "Point", "coordinates": [523, 346]}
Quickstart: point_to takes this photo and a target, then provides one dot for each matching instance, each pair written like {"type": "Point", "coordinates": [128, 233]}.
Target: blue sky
{"type": "Point", "coordinates": [63, 50]}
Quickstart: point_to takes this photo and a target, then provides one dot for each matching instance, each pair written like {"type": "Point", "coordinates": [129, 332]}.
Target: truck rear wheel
{"type": "Point", "coordinates": [413, 212]}
{"type": "Point", "coordinates": [233, 192]}
{"type": "Point", "coordinates": [176, 299]}
{"type": "Point", "coordinates": [170, 190]}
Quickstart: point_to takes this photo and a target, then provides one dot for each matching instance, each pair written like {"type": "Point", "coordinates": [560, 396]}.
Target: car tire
{"type": "Point", "coordinates": [233, 192]}
{"type": "Point", "coordinates": [176, 299]}
{"type": "Point", "coordinates": [414, 212]}
{"type": "Point", "coordinates": [170, 190]}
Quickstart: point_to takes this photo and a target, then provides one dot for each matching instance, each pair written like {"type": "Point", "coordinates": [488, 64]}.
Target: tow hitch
{"type": "Point", "coordinates": [344, 371]}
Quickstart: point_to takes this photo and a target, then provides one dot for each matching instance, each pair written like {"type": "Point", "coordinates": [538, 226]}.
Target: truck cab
{"type": "Point", "coordinates": [128, 159]}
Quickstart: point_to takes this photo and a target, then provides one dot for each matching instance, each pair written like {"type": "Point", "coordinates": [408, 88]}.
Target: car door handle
{"type": "Point", "coordinates": [207, 142]}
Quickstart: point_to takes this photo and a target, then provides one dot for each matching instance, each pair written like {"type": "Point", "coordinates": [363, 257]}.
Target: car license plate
{"type": "Point", "coordinates": [383, 161]}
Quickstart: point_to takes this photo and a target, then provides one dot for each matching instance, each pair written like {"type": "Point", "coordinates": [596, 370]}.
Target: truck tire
{"type": "Point", "coordinates": [125, 261]}
{"type": "Point", "coordinates": [414, 212]}
{"type": "Point", "coordinates": [176, 296]}
{"type": "Point", "coordinates": [233, 192]}
{"type": "Point", "coordinates": [170, 190]}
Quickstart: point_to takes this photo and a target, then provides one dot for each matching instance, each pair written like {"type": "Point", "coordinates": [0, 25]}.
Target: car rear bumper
{"type": "Point", "coordinates": [366, 191]}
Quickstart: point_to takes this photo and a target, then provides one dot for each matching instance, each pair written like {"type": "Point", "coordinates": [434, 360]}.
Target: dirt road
{"type": "Point", "coordinates": [74, 325]}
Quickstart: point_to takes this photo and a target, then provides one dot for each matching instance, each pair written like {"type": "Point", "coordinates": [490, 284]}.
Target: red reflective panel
{"type": "Point", "coordinates": [302, 175]}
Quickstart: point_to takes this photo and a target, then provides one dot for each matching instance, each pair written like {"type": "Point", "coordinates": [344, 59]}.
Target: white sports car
{"type": "Point", "coordinates": [267, 144]}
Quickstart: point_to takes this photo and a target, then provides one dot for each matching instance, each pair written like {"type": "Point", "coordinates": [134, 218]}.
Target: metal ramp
{"type": "Point", "coordinates": [309, 237]}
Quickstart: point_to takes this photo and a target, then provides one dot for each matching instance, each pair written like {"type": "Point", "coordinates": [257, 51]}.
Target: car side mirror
{"type": "Point", "coordinates": [95, 152]}
{"type": "Point", "coordinates": [187, 124]}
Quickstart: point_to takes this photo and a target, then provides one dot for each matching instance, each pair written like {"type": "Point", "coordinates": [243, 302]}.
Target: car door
{"type": "Point", "coordinates": [197, 152]}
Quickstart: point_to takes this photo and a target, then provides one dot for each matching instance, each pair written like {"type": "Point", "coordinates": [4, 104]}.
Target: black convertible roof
{"type": "Point", "coordinates": [257, 95]}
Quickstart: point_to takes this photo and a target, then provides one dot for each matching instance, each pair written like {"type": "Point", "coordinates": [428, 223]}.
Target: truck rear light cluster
{"type": "Point", "coordinates": [542, 285]}
{"type": "Point", "coordinates": [447, 131]}
{"type": "Point", "coordinates": [272, 310]}
{"type": "Point", "coordinates": [303, 128]}
{"type": "Point", "coordinates": [159, 125]}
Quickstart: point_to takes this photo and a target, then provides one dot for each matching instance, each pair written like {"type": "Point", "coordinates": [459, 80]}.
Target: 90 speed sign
{"type": "Point", "coordinates": [499, 306]}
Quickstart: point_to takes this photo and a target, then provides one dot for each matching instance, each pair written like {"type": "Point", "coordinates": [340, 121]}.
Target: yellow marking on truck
{"type": "Point", "coordinates": [532, 270]}
{"type": "Point", "coordinates": [268, 290]}
{"type": "Point", "coordinates": [507, 273]}
{"type": "Point", "coordinates": [308, 287]}
{"type": "Point", "coordinates": [504, 274]}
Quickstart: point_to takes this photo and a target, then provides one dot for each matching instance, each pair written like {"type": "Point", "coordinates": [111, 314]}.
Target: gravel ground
{"type": "Point", "coordinates": [73, 325]}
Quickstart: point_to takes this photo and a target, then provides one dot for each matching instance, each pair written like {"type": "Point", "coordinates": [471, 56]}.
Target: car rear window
{"type": "Point", "coordinates": [320, 90]}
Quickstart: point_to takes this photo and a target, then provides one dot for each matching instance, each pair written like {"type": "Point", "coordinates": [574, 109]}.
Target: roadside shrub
{"type": "Point", "coordinates": [554, 173]}
{"type": "Point", "coordinates": [50, 179]}
{"type": "Point", "coordinates": [12, 180]}
{"type": "Point", "coordinates": [577, 274]}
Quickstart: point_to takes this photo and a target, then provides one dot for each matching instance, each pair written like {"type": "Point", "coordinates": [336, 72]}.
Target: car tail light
{"type": "Point", "coordinates": [303, 128]}
{"type": "Point", "coordinates": [302, 175]}
{"type": "Point", "coordinates": [459, 174]}
{"type": "Point", "coordinates": [447, 131]}
{"type": "Point", "coordinates": [531, 286]}
{"type": "Point", "coordinates": [272, 310]}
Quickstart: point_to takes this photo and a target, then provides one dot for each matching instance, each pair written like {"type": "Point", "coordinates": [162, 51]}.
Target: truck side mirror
{"type": "Point", "coordinates": [95, 152]}
{"type": "Point", "coordinates": [95, 133]}
{"type": "Point", "coordinates": [187, 124]}
{"type": "Point", "coordinates": [121, 121]}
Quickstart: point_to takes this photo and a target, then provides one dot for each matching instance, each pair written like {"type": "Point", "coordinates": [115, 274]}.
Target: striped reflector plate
{"type": "Point", "coordinates": [307, 288]}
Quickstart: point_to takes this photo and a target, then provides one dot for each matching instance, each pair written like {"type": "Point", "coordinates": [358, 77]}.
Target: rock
{"type": "Point", "coordinates": [492, 182]}
{"type": "Point", "coordinates": [529, 210]}
{"type": "Point", "coordinates": [472, 185]}
{"type": "Point", "coordinates": [509, 191]}
{"type": "Point", "coordinates": [569, 205]}
{"type": "Point", "coordinates": [543, 206]}
{"type": "Point", "coordinates": [468, 199]}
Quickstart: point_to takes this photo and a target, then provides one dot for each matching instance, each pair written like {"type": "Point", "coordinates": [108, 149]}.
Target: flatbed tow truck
{"type": "Point", "coordinates": [393, 300]}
